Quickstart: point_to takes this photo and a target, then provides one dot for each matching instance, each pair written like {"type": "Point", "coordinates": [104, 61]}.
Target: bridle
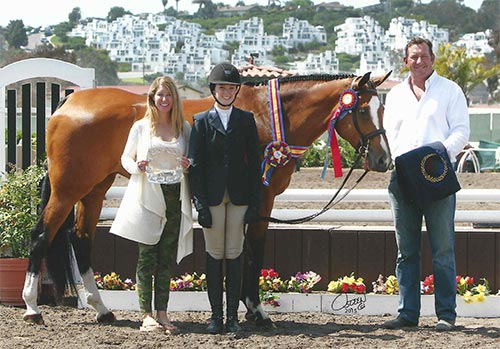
{"type": "Point", "coordinates": [364, 139]}
{"type": "Point", "coordinates": [362, 151]}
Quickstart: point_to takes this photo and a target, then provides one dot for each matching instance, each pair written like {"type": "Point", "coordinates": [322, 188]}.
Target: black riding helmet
{"type": "Point", "coordinates": [224, 73]}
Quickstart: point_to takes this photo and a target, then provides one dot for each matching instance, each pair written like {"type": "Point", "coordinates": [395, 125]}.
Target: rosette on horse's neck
{"type": "Point", "coordinates": [348, 101]}
{"type": "Point", "coordinates": [277, 153]}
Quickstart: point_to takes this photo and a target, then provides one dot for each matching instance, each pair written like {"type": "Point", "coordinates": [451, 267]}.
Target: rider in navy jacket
{"type": "Point", "coordinates": [226, 189]}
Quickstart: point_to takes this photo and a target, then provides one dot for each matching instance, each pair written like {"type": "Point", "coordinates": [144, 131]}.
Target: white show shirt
{"type": "Point", "coordinates": [440, 115]}
{"type": "Point", "coordinates": [224, 115]}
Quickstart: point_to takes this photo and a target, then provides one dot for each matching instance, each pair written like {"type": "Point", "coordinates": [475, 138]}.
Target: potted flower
{"type": "Point", "coordinates": [19, 200]}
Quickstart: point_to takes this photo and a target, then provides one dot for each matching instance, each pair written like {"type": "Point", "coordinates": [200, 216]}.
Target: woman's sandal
{"type": "Point", "coordinates": [150, 324]}
{"type": "Point", "coordinates": [169, 327]}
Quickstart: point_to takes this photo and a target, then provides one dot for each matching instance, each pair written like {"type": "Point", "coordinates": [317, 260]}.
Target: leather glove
{"type": "Point", "coordinates": [205, 218]}
{"type": "Point", "coordinates": [252, 215]}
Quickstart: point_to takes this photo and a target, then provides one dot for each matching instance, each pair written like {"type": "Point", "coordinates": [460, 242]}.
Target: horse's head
{"type": "Point", "coordinates": [363, 125]}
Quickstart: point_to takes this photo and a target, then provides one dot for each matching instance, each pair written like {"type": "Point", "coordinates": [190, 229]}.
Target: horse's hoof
{"type": "Point", "coordinates": [251, 317]}
{"type": "Point", "coordinates": [266, 324]}
{"type": "Point", "coordinates": [36, 319]}
{"type": "Point", "coordinates": [106, 318]}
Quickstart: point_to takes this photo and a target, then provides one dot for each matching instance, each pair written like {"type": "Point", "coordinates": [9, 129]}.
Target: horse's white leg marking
{"type": "Point", "coordinates": [30, 293]}
{"type": "Point", "coordinates": [256, 309]}
{"type": "Point", "coordinates": [92, 293]}
{"type": "Point", "coordinates": [374, 106]}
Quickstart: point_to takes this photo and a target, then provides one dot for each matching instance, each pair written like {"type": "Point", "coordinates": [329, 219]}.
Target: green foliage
{"type": "Point", "coordinates": [75, 43]}
{"type": "Point", "coordinates": [105, 68]}
{"type": "Point", "coordinates": [315, 155]}
{"type": "Point", "coordinates": [347, 62]}
{"type": "Point", "coordinates": [19, 200]}
{"type": "Point", "coordinates": [75, 16]}
{"type": "Point", "coordinates": [116, 12]}
{"type": "Point", "coordinates": [62, 29]}
{"type": "Point", "coordinates": [468, 72]}
{"type": "Point", "coordinates": [15, 34]}
{"type": "Point", "coordinates": [123, 67]}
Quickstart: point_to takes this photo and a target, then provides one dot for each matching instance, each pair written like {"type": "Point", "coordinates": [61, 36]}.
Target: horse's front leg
{"type": "Point", "coordinates": [93, 298]}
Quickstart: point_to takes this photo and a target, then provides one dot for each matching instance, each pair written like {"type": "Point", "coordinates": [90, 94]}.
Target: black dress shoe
{"type": "Point", "coordinates": [232, 325]}
{"type": "Point", "coordinates": [398, 322]}
{"type": "Point", "coordinates": [215, 326]}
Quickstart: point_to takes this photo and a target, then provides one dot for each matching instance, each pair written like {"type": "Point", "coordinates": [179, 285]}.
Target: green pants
{"type": "Point", "coordinates": [157, 260]}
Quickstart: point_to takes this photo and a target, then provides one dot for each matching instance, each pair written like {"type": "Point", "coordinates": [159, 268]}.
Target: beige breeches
{"type": "Point", "coordinates": [226, 237]}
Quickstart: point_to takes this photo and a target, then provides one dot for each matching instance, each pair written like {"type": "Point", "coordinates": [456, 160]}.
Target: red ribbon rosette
{"type": "Point", "coordinates": [348, 99]}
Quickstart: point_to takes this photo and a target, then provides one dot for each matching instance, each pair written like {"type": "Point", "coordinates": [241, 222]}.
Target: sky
{"type": "Point", "coordinates": [45, 12]}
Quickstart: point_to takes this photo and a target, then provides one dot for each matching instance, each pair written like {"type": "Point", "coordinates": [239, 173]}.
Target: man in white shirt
{"type": "Point", "coordinates": [423, 109]}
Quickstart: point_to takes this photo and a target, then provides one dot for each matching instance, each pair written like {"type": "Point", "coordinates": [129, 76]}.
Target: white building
{"type": "Point", "coordinates": [475, 43]}
{"type": "Point", "coordinates": [325, 62]}
{"type": "Point", "coordinates": [401, 30]}
{"type": "Point", "coordinates": [358, 35]}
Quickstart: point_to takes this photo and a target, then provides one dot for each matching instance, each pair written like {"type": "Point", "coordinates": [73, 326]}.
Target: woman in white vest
{"type": "Point", "coordinates": [156, 208]}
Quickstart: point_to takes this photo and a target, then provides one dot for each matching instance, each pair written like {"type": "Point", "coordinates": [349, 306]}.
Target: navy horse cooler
{"type": "Point", "coordinates": [426, 174]}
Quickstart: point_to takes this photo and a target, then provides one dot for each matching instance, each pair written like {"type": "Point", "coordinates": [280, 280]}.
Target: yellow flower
{"type": "Point", "coordinates": [468, 297]}
{"type": "Point", "coordinates": [333, 286]}
{"type": "Point", "coordinates": [481, 288]}
{"type": "Point", "coordinates": [479, 297]}
{"type": "Point", "coordinates": [187, 277]}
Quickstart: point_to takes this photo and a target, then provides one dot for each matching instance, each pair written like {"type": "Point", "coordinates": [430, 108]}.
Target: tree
{"type": "Point", "coordinates": [105, 69]}
{"type": "Point", "coordinates": [62, 29]}
{"type": "Point", "coordinates": [487, 15]}
{"type": "Point", "coordinates": [15, 34]}
{"type": "Point", "coordinates": [75, 16]}
{"type": "Point", "coordinates": [453, 63]}
{"type": "Point", "coordinates": [116, 12]}
{"type": "Point", "coordinates": [206, 9]}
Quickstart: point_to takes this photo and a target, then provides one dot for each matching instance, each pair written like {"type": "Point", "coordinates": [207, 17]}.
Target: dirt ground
{"type": "Point", "coordinates": [68, 327]}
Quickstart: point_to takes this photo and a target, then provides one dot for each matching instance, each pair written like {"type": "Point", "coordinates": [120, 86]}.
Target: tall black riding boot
{"type": "Point", "coordinates": [214, 290]}
{"type": "Point", "coordinates": [233, 291]}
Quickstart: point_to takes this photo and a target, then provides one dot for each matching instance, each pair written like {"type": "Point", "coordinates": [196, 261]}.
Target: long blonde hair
{"type": "Point", "coordinates": [176, 114]}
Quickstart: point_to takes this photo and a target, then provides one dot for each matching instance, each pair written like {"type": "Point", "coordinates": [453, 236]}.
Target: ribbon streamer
{"type": "Point", "coordinates": [277, 153]}
{"type": "Point", "coordinates": [347, 102]}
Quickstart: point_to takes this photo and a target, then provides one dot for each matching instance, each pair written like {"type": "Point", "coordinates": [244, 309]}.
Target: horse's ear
{"type": "Point", "coordinates": [364, 80]}
{"type": "Point", "coordinates": [380, 80]}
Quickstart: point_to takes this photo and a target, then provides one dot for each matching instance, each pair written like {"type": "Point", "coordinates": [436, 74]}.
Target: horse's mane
{"type": "Point", "coordinates": [299, 78]}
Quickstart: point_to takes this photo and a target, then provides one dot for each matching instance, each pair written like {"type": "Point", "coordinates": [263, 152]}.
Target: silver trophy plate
{"type": "Point", "coordinates": [159, 169]}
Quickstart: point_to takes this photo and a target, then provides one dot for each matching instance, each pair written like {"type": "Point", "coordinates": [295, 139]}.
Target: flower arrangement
{"type": "Point", "coordinates": [113, 282]}
{"type": "Point", "coordinates": [189, 282]}
{"type": "Point", "coordinates": [471, 292]}
{"type": "Point", "coordinates": [347, 284]}
{"type": "Point", "coordinates": [465, 287]}
{"type": "Point", "coordinates": [270, 282]}
{"type": "Point", "coordinates": [388, 286]}
{"type": "Point", "coordinates": [428, 285]}
{"type": "Point", "coordinates": [303, 282]}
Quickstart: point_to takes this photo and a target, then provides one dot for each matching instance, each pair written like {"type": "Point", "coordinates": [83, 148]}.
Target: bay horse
{"type": "Point", "coordinates": [85, 139]}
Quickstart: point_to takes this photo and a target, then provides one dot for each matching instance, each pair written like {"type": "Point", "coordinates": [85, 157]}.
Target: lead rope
{"type": "Point", "coordinates": [329, 205]}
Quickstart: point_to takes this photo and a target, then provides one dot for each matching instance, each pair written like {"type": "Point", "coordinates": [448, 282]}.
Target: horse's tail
{"type": "Point", "coordinates": [38, 234]}
{"type": "Point", "coordinates": [58, 255]}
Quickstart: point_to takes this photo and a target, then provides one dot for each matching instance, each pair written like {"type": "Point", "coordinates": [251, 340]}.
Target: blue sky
{"type": "Point", "coordinates": [44, 12]}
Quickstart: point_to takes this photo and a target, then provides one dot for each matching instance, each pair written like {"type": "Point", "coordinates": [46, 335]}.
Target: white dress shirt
{"type": "Point", "coordinates": [440, 115]}
{"type": "Point", "coordinates": [224, 115]}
